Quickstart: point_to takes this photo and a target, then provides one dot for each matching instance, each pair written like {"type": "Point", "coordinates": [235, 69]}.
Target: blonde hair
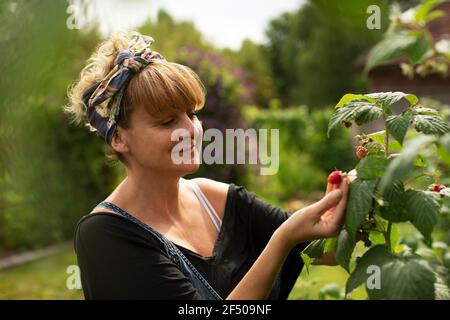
{"type": "Point", "coordinates": [162, 88]}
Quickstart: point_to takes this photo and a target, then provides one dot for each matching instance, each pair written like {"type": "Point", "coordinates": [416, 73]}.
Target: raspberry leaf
{"type": "Point", "coordinates": [344, 249]}
{"type": "Point", "coordinates": [372, 167]}
{"type": "Point", "coordinates": [430, 124]}
{"type": "Point", "coordinates": [398, 125]}
{"type": "Point", "coordinates": [400, 277]}
{"type": "Point", "coordinates": [359, 204]}
{"type": "Point", "coordinates": [424, 208]}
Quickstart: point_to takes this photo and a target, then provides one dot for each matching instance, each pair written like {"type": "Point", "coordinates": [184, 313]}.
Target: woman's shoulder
{"type": "Point", "coordinates": [212, 187]}
{"type": "Point", "coordinates": [221, 193]}
{"type": "Point", "coordinates": [103, 226]}
{"type": "Point", "coordinates": [215, 191]}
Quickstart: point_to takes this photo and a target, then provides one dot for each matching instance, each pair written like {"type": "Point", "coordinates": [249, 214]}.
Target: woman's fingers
{"type": "Point", "coordinates": [329, 201]}
{"type": "Point", "coordinates": [339, 210]}
{"type": "Point", "coordinates": [332, 186]}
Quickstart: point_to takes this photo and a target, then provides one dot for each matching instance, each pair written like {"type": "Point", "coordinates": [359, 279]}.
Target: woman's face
{"type": "Point", "coordinates": [171, 145]}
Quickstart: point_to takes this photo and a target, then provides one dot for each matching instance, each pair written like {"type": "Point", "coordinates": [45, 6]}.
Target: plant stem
{"type": "Point", "coordinates": [388, 236]}
{"type": "Point", "coordinates": [386, 139]}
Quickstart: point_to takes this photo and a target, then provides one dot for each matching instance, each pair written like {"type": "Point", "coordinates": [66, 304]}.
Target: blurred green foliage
{"type": "Point", "coordinates": [312, 51]}
{"type": "Point", "coordinates": [51, 173]}
{"type": "Point", "coordinates": [306, 154]}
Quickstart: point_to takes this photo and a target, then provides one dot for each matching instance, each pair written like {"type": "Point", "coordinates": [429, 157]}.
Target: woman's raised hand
{"type": "Point", "coordinates": [322, 219]}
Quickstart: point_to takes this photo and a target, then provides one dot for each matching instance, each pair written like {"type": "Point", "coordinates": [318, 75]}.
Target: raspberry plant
{"type": "Point", "coordinates": [387, 191]}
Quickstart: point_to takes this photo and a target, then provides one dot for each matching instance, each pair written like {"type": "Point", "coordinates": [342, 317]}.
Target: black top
{"type": "Point", "coordinates": [120, 260]}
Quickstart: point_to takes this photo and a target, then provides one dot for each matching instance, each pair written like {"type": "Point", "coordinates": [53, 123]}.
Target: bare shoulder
{"type": "Point", "coordinates": [215, 191]}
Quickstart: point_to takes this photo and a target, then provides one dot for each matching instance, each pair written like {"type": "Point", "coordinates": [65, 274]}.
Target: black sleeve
{"type": "Point", "coordinates": [263, 220]}
{"type": "Point", "coordinates": [117, 261]}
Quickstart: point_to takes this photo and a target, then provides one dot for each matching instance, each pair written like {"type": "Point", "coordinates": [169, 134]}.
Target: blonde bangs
{"type": "Point", "coordinates": [165, 88]}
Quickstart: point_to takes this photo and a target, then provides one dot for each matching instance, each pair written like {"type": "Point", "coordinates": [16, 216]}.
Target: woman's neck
{"type": "Point", "coordinates": [148, 194]}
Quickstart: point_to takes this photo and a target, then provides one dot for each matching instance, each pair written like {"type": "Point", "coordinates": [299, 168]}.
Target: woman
{"type": "Point", "coordinates": [158, 235]}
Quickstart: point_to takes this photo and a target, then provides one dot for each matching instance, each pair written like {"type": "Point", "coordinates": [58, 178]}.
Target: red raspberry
{"type": "Point", "coordinates": [436, 187]}
{"type": "Point", "coordinates": [361, 152]}
{"type": "Point", "coordinates": [335, 177]}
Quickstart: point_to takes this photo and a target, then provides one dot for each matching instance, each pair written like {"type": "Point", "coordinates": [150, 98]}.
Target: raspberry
{"type": "Point", "coordinates": [436, 187]}
{"type": "Point", "coordinates": [361, 152]}
{"type": "Point", "coordinates": [335, 177]}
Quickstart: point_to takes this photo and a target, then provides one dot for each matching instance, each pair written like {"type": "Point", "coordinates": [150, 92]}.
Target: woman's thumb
{"type": "Point", "coordinates": [329, 201]}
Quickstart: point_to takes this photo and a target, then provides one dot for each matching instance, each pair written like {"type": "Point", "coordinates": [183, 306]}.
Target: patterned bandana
{"type": "Point", "coordinates": [103, 99]}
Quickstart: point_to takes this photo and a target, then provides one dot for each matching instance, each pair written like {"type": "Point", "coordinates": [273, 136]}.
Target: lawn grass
{"type": "Point", "coordinates": [40, 280]}
{"type": "Point", "coordinates": [308, 285]}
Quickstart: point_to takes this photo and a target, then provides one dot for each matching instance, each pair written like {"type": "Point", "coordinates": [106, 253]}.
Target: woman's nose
{"type": "Point", "coordinates": [189, 125]}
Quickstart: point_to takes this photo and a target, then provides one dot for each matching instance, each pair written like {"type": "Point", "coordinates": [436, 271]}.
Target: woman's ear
{"type": "Point", "coordinates": [118, 142]}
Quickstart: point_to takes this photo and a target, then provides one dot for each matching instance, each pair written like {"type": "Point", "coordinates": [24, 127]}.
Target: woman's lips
{"type": "Point", "coordinates": [189, 149]}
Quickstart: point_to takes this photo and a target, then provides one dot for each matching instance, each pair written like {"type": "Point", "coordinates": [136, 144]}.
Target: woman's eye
{"type": "Point", "coordinates": [168, 122]}
{"type": "Point", "coordinates": [193, 114]}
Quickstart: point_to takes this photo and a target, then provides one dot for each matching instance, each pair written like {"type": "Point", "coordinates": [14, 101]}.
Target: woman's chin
{"type": "Point", "coordinates": [189, 164]}
{"type": "Point", "coordinates": [187, 168]}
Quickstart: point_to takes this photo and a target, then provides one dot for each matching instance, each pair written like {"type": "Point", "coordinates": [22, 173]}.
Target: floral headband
{"type": "Point", "coordinates": [103, 99]}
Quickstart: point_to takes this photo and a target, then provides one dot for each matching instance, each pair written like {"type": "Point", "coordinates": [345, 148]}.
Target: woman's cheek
{"type": "Point", "coordinates": [198, 134]}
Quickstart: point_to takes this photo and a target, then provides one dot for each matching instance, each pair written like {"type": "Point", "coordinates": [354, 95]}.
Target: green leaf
{"type": "Point", "coordinates": [371, 167]}
{"type": "Point", "coordinates": [376, 237]}
{"type": "Point", "coordinates": [402, 165]}
{"type": "Point", "coordinates": [418, 50]}
{"type": "Point", "coordinates": [345, 246]}
{"type": "Point", "coordinates": [395, 214]}
{"type": "Point", "coordinates": [330, 245]}
{"type": "Point", "coordinates": [307, 261]}
{"type": "Point", "coordinates": [367, 113]}
{"type": "Point", "coordinates": [424, 110]}
{"type": "Point", "coordinates": [359, 204]}
{"type": "Point", "coordinates": [349, 97]}
{"type": "Point", "coordinates": [394, 207]}
{"type": "Point", "coordinates": [430, 124]}
{"type": "Point", "coordinates": [313, 251]}
{"type": "Point", "coordinates": [390, 47]}
{"type": "Point", "coordinates": [378, 137]}
{"type": "Point", "coordinates": [347, 113]}
{"type": "Point", "coordinates": [412, 99]}
{"type": "Point", "coordinates": [398, 125]}
{"type": "Point", "coordinates": [423, 11]}
{"type": "Point", "coordinates": [400, 277]}
{"type": "Point", "coordinates": [436, 14]}
{"type": "Point", "coordinates": [424, 208]}
{"type": "Point", "coordinates": [387, 99]}
{"type": "Point", "coordinates": [315, 248]}
{"type": "Point", "coordinates": [394, 236]}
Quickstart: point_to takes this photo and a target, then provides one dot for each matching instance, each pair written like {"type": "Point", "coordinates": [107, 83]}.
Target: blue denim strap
{"type": "Point", "coordinates": [174, 253]}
